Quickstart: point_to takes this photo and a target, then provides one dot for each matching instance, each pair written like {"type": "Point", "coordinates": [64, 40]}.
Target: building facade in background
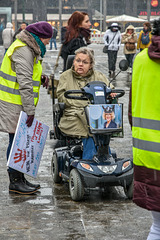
{"type": "Point", "coordinates": [57, 12]}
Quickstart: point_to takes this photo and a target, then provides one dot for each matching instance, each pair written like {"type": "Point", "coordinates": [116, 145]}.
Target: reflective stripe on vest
{"type": "Point", "coordinates": [148, 124]}
{"type": "Point", "coordinates": [146, 145]}
{"type": "Point", "coordinates": [14, 91]}
{"type": "Point", "coordinates": [14, 79]}
{"type": "Point", "coordinates": [9, 87]}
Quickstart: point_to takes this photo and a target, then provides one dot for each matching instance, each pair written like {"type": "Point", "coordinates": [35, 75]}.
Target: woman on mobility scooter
{"type": "Point", "coordinates": [73, 122]}
{"type": "Point", "coordinates": [82, 93]}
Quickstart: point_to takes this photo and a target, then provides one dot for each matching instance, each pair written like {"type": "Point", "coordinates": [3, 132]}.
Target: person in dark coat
{"type": "Point", "coordinates": [75, 35]}
{"type": "Point", "coordinates": [53, 39]}
{"type": "Point", "coordinates": [145, 122]}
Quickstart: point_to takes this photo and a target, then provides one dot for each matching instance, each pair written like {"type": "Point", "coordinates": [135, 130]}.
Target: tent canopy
{"type": "Point", "coordinates": [124, 19]}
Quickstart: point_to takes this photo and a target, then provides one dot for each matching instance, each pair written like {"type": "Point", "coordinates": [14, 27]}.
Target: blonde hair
{"type": "Point", "coordinates": [88, 52]}
{"type": "Point", "coordinates": [112, 115]}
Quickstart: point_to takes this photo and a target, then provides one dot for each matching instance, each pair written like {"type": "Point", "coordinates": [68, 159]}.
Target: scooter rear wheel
{"type": "Point", "coordinates": [54, 169]}
{"type": "Point", "coordinates": [76, 187]}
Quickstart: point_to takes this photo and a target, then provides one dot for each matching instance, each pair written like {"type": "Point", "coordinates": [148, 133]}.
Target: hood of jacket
{"type": "Point", "coordinates": [154, 48]}
{"type": "Point", "coordinates": [28, 39]}
{"type": "Point", "coordinates": [9, 25]}
{"type": "Point", "coordinates": [130, 27]}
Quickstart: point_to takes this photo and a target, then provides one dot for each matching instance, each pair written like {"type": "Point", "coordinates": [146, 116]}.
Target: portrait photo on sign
{"type": "Point", "coordinates": [105, 116]}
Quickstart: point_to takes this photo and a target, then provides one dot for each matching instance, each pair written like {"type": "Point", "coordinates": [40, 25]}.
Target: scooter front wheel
{"type": "Point", "coordinates": [76, 187]}
{"type": "Point", "coordinates": [54, 169]}
{"type": "Point", "coordinates": [129, 190]}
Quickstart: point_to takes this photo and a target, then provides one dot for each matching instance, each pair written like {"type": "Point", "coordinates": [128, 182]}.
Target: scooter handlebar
{"type": "Point", "coordinates": [120, 92]}
{"type": "Point", "coordinates": [82, 95]}
{"type": "Point", "coordinates": [68, 94]}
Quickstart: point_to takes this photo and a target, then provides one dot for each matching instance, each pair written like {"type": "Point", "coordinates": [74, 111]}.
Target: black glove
{"type": "Point", "coordinates": [45, 81]}
{"type": "Point", "coordinates": [30, 120]}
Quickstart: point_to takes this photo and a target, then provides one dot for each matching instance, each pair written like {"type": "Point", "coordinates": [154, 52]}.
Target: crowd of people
{"type": "Point", "coordinates": [21, 76]}
{"type": "Point", "coordinates": [113, 39]}
{"type": "Point", "coordinates": [77, 34]}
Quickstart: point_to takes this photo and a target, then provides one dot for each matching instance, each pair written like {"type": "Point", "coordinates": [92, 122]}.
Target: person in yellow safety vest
{"type": "Point", "coordinates": [20, 80]}
{"type": "Point", "coordinates": [146, 129]}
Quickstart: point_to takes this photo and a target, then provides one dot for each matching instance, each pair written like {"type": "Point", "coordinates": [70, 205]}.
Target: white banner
{"type": "Point", "coordinates": [28, 145]}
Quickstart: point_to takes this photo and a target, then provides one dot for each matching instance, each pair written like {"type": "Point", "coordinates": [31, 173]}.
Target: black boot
{"type": "Point", "coordinates": [37, 186]}
{"type": "Point", "coordinates": [113, 74]}
{"type": "Point", "coordinates": [17, 185]}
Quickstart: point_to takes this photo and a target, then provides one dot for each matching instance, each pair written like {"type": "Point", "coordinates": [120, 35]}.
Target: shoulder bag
{"type": "Point", "coordinates": [105, 48]}
{"type": "Point", "coordinates": [130, 45]}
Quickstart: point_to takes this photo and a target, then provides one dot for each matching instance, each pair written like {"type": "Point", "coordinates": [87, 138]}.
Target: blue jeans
{"type": "Point", "coordinates": [11, 137]}
{"type": "Point", "coordinates": [53, 40]}
{"type": "Point", "coordinates": [89, 148]}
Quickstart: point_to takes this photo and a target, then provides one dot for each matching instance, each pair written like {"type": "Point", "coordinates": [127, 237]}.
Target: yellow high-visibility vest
{"type": "Point", "coordinates": [146, 111]}
{"type": "Point", "coordinates": [9, 87]}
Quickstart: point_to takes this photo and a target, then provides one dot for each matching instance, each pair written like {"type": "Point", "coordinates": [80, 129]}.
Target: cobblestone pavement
{"type": "Point", "coordinates": [51, 214]}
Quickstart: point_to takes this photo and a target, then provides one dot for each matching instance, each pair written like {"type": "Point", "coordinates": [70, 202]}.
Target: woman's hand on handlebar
{"type": "Point", "coordinates": [117, 93]}
{"type": "Point", "coordinates": [113, 95]}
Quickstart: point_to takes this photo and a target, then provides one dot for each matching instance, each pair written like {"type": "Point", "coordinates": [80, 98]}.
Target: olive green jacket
{"type": "Point", "coordinates": [73, 121]}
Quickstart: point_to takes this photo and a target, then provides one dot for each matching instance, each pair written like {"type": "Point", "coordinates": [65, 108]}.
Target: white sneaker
{"type": "Point", "coordinates": [129, 70]}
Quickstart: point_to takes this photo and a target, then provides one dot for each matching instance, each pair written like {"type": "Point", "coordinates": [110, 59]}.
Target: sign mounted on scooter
{"type": "Point", "coordinates": [105, 118]}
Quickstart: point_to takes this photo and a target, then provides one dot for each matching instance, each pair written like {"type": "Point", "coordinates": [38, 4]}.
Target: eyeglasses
{"type": "Point", "coordinates": [82, 61]}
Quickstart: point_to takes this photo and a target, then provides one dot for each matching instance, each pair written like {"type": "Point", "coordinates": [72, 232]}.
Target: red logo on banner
{"type": "Point", "coordinates": [20, 155]}
{"type": "Point", "coordinates": [154, 3]}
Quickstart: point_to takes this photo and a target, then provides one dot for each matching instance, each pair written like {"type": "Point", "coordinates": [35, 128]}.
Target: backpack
{"type": "Point", "coordinates": [145, 38]}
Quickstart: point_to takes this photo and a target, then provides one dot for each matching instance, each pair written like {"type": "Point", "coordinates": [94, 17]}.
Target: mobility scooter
{"type": "Point", "coordinates": [105, 168]}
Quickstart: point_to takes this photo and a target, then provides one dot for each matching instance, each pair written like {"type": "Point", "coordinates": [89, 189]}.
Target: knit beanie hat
{"type": "Point", "coordinates": [41, 29]}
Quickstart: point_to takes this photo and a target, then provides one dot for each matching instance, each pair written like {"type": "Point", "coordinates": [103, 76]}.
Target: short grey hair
{"type": "Point", "coordinates": [88, 52]}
